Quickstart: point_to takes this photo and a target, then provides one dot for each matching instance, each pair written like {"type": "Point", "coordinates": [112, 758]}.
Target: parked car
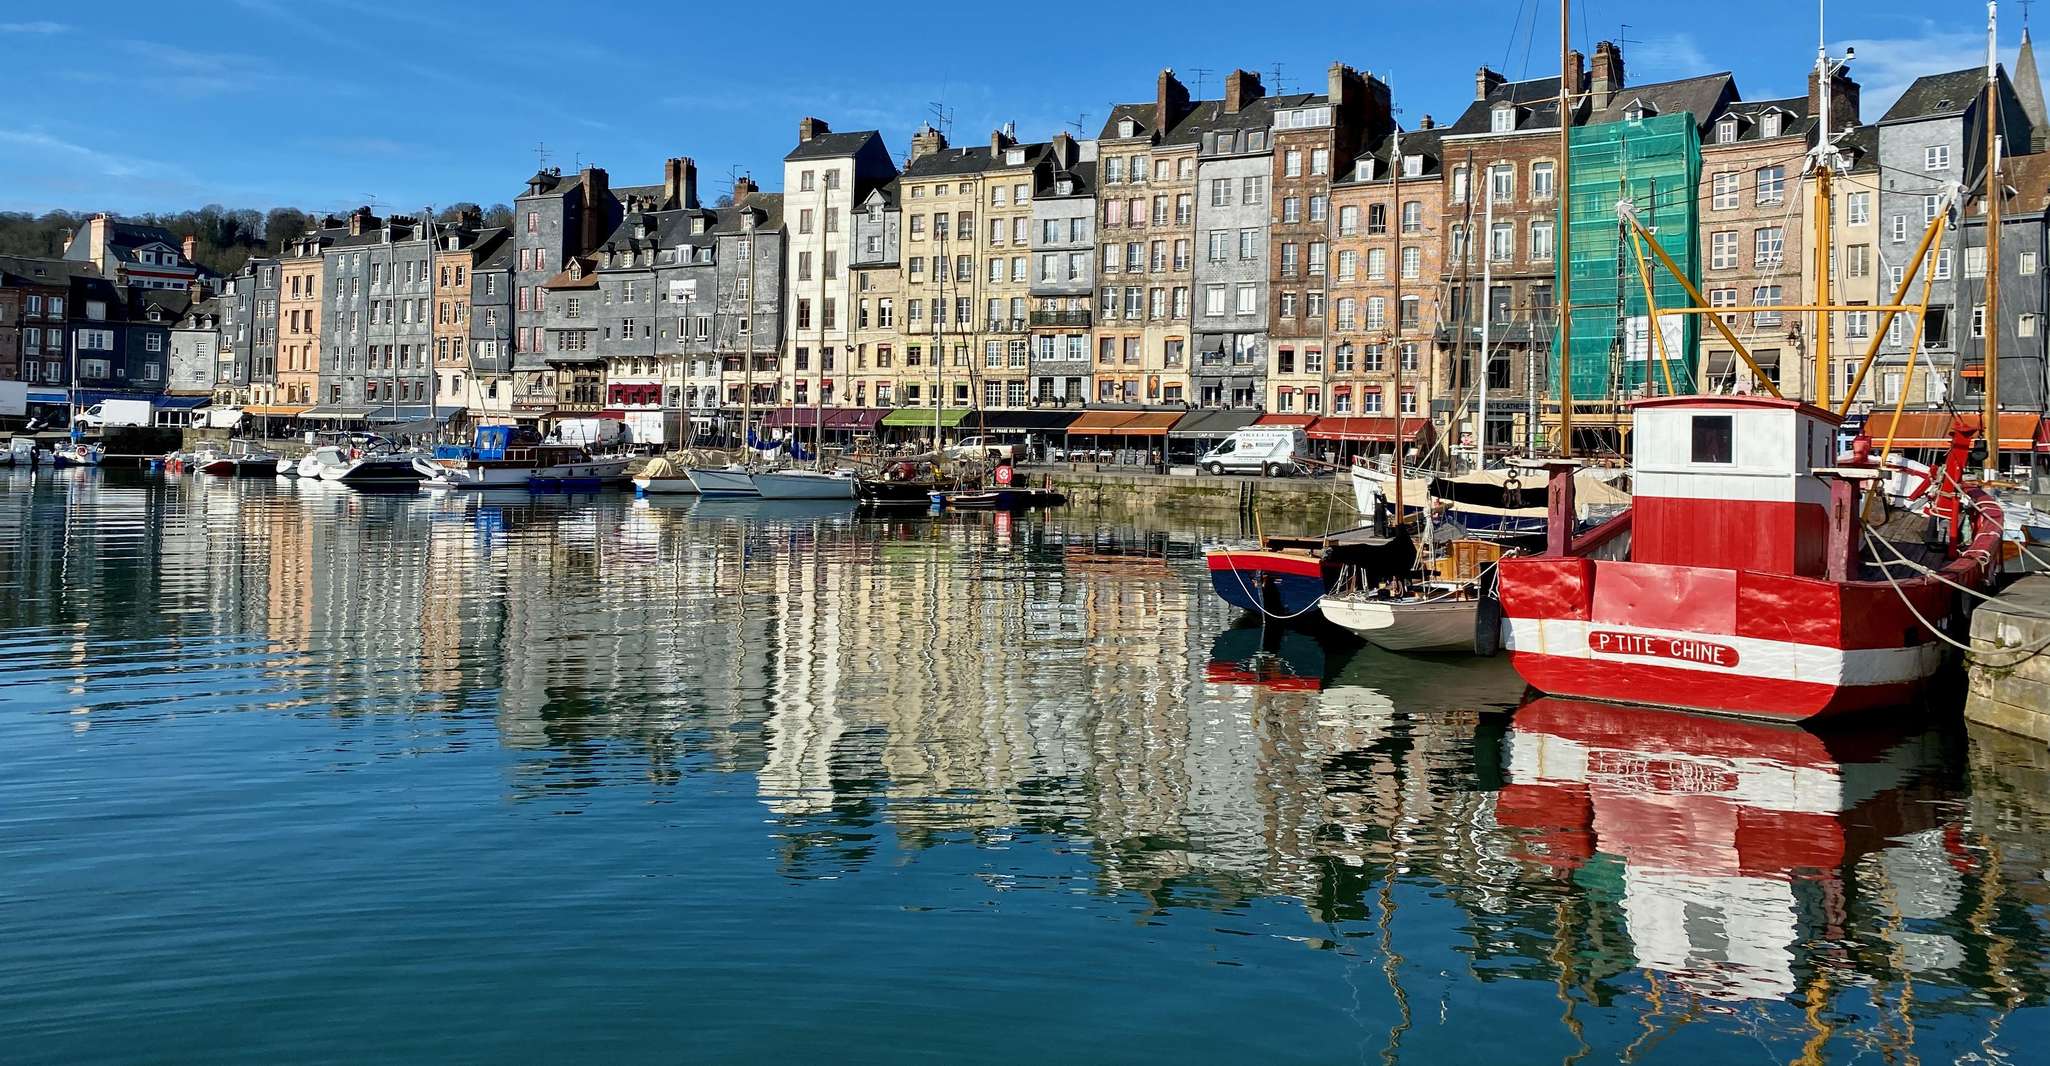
{"type": "Point", "coordinates": [986, 448]}
{"type": "Point", "coordinates": [1272, 452]}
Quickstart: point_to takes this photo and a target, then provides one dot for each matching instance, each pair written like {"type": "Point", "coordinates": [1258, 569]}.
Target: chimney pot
{"type": "Point", "coordinates": [1241, 87]}
{"type": "Point", "coordinates": [809, 128]}
{"type": "Point", "coordinates": [189, 247]}
{"type": "Point", "coordinates": [1485, 81]}
{"type": "Point", "coordinates": [1170, 101]}
{"type": "Point", "coordinates": [1606, 77]}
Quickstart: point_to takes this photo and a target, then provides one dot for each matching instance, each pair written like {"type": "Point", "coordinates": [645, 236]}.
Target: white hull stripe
{"type": "Point", "coordinates": [1754, 657]}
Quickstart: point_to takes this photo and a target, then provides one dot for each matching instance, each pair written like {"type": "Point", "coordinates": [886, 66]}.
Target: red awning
{"type": "Point", "coordinates": [1285, 420]}
{"type": "Point", "coordinates": [779, 418]}
{"type": "Point", "coordinates": [1365, 428]}
{"type": "Point", "coordinates": [2019, 430]}
{"type": "Point", "coordinates": [853, 418]}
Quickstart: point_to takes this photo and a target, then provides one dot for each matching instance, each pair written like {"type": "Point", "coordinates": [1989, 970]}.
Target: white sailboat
{"type": "Point", "coordinates": [664, 478]}
{"type": "Point", "coordinates": [738, 478]}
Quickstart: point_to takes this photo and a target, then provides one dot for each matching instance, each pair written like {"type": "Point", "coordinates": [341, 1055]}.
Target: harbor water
{"type": "Point", "coordinates": [294, 773]}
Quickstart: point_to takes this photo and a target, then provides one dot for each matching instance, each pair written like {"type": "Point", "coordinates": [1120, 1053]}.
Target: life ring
{"type": "Point", "coordinates": [1003, 475]}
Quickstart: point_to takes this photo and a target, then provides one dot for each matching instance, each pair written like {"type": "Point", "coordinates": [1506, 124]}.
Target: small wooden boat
{"type": "Point", "coordinates": [1283, 579]}
{"type": "Point", "coordinates": [1435, 618]}
{"type": "Point", "coordinates": [242, 461]}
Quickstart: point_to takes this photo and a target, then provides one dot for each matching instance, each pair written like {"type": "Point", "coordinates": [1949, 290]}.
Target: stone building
{"type": "Point", "coordinates": [489, 393]}
{"type": "Point", "coordinates": [1311, 134]}
{"type": "Point", "coordinates": [302, 297]}
{"type": "Point", "coordinates": [940, 195]}
{"type": "Point", "coordinates": [1755, 229]}
{"type": "Point", "coordinates": [1503, 153]}
{"type": "Point", "coordinates": [1854, 254]}
{"type": "Point", "coordinates": [33, 295]}
{"type": "Point", "coordinates": [195, 339]}
{"type": "Point", "coordinates": [1932, 141]}
{"type": "Point", "coordinates": [554, 220]}
{"type": "Point", "coordinates": [132, 254]}
{"type": "Point", "coordinates": [454, 267]}
{"type": "Point", "coordinates": [870, 375]}
{"type": "Point", "coordinates": [1063, 283]}
{"type": "Point", "coordinates": [1387, 262]}
{"type": "Point", "coordinates": [1234, 169]}
{"type": "Point", "coordinates": [1005, 296]}
{"type": "Point", "coordinates": [2019, 316]}
{"type": "Point", "coordinates": [378, 319]}
{"type": "Point", "coordinates": [1146, 233]}
{"type": "Point", "coordinates": [824, 178]}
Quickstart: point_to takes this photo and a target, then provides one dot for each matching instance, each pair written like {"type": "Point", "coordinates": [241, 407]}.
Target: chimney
{"type": "Point", "coordinates": [1241, 87]}
{"type": "Point", "coordinates": [1063, 151]}
{"type": "Point", "coordinates": [1486, 81]}
{"type": "Point", "coordinates": [998, 141]}
{"type": "Point", "coordinates": [1843, 99]}
{"type": "Point", "coordinates": [1608, 73]}
{"type": "Point", "coordinates": [1170, 101]}
{"type": "Point", "coordinates": [96, 238]}
{"type": "Point", "coordinates": [190, 248]}
{"type": "Point", "coordinates": [743, 187]}
{"type": "Point", "coordinates": [809, 128]}
{"type": "Point", "coordinates": [679, 183]}
{"type": "Point", "coordinates": [595, 214]}
{"type": "Point", "coordinates": [927, 141]}
{"type": "Point", "coordinates": [358, 219]}
{"type": "Point", "coordinates": [65, 244]}
{"type": "Point", "coordinates": [1428, 123]}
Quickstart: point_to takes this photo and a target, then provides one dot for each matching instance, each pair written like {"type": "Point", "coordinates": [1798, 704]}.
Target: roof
{"type": "Point", "coordinates": [37, 270]}
{"type": "Point", "coordinates": [1937, 96]}
{"type": "Point", "coordinates": [1083, 173]}
{"type": "Point", "coordinates": [1538, 97]}
{"type": "Point", "coordinates": [134, 235]}
{"type": "Point", "coordinates": [1750, 118]}
{"type": "Point", "coordinates": [1427, 143]}
{"type": "Point", "coordinates": [1861, 144]}
{"type": "Point", "coordinates": [494, 249]}
{"type": "Point", "coordinates": [769, 206]}
{"type": "Point", "coordinates": [1704, 97]}
{"type": "Point", "coordinates": [170, 304]}
{"type": "Point", "coordinates": [1202, 116]}
{"type": "Point", "coordinates": [833, 145]}
{"type": "Point", "coordinates": [587, 276]}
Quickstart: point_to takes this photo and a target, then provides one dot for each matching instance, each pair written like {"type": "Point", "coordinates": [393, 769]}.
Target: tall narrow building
{"type": "Point", "coordinates": [1233, 169]}
{"type": "Point", "coordinates": [824, 178]}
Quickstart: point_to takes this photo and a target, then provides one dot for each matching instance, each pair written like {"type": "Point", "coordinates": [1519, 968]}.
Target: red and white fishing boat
{"type": "Point", "coordinates": [1745, 588]}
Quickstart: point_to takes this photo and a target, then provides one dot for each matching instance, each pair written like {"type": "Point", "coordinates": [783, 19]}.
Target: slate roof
{"type": "Point", "coordinates": [170, 304]}
{"type": "Point", "coordinates": [37, 270]}
{"type": "Point", "coordinates": [127, 235]}
{"type": "Point", "coordinates": [563, 281]}
{"type": "Point", "coordinates": [1705, 97]}
{"type": "Point", "coordinates": [1750, 117]}
{"type": "Point", "coordinates": [1083, 172]}
{"type": "Point", "coordinates": [1862, 146]}
{"type": "Point", "coordinates": [833, 145]}
{"type": "Point", "coordinates": [1538, 99]}
{"type": "Point", "coordinates": [494, 249]}
{"type": "Point", "coordinates": [1427, 143]}
{"type": "Point", "coordinates": [769, 204]}
{"type": "Point", "coordinates": [1938, 95]}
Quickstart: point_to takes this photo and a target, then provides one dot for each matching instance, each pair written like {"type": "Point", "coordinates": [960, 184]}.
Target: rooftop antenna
{"type": "Point", "coordinates": [942, 118]}
{"type": "Point", "coordinates": [1279, 87]}
{"type": "Point", "coordinates": [1623, 35]}
{"type": "Point", "coordinates": [541, 154]}
{"type": "Point", "coordinates": [1202, 76]}
{"type": "Point", "coordinates": [733, 176]}
{"type": "Point", "coordinates": [1081, 131]}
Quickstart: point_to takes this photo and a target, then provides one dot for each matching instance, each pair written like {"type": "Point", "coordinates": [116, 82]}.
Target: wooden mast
{"type": "Point", "coordinates": [1564, 240]}
{"type": "Point", "coordinates": [1990, 323]}
{"type": "Point", "coordinates": [1395, 204]}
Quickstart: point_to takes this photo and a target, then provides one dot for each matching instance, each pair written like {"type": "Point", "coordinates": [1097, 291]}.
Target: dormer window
{"type": "Point", "coordinates": [1256, 141]}
{"type": "Point", "coordinates": [697, 225]}
{"type": "Point", "coordinates": [1769, 124]}
{"type": "Point", "coordinates": [1503, 120]}
{"type": "Point", "coordinates": [1064, 187]}
{"type": "Point", "coordinates": [1412, 166]}
{"type": "Point", "coordinates": [1638, 111]}
{"type": "Point", "coordinates": [1128, 128]}
{"type": "Point", "coordinates": [1726, 131]}
{"type": "Point", "coordinates": [1014, 157]}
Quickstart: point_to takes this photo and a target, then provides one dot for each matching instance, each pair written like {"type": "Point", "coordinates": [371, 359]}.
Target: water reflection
{"type": "Point", "coordinates": [1053, 709]}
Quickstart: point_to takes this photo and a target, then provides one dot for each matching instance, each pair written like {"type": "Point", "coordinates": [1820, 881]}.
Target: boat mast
{"type": "Point", "coordinates": [941, 269]}
{"type": "Point", "coordinates": [1822, 166]}
{"type": "Point", "coordinates": [1990, 324]}
{"type": "Point", "coordinates": [1564, 240]}
{"type": "Point", "coordinates": [1395, 198]}
{"type": "Point", "coordinates": [1480, 439]}
{"type": "Point", "coordinates": [747, 318]}
{"type": "Point", "coordinates": [818, 398]}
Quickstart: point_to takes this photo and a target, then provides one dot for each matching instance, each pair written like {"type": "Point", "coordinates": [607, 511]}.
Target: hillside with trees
{"type": "Point", "coordinates": [226, 237]}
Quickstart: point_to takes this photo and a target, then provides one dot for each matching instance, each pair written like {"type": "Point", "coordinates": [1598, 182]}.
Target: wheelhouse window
{"type": "Point", "coordinates": [1714, 439]}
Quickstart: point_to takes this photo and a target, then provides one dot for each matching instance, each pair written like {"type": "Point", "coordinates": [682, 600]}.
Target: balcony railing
{"type": "Point", "coordinates": [1060, 318]}
{"type": "Point", "coordinates": [1006, 325]}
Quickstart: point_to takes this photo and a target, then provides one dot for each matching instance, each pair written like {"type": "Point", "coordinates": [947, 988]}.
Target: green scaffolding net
{"type": "Point", "coordinates": [1655, 163]}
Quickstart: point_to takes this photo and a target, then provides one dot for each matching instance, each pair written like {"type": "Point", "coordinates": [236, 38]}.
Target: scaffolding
{"type": "Point", "coordinates": [1654, 163]}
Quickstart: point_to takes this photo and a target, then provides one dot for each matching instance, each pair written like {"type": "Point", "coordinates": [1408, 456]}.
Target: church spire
{"type": "Point", "coordinates": [2029, 87]}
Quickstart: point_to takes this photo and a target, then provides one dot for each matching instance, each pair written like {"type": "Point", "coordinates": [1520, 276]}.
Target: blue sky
{"type": "Point", "coordinates": [323, 104]}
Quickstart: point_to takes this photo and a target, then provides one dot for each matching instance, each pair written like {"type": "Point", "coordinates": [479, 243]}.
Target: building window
{"type": "Point", "coordinates": [1503, 120]}
{"type": "Point", "coordinates": [1772, 184]}
{"type": "Point", "coordinates": [1541, 181]}
{"type": "Point", "coordinates": [1726, 188]}
{"type": "Point", "coordinates": [1501, 183]}
{"type": "Point", "coordinates": [1936, 157]}
{"type": "Point", "coordinates": [1858, 208]}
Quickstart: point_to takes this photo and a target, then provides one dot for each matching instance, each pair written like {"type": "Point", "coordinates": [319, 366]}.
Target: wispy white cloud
{"type": "Point", "coordinates": [1886, 66]}
{"type": "Point", "coordinates": [33, 27]}
{"type": "Point", "coordinates": [1674, 55]}
{"type": "Point", "coordinates": [73, 156]}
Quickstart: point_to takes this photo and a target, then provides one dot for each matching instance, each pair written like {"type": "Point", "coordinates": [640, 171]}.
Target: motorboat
{"type": "Point", "coordinates": [901, 484]}
{"type": "Point", "coordinates": [663, 478]}
{"type": "Point", "coordinates": [242, 461]}
{"type": "Point", "coordinates": [724, 481]}
{"type": "Point", "coordinates": [327, 463]}
{"type": "Point", "coordinates": [506, 457]}
{"type": "Point", "coordinates": [805, 485]}
{"type": "Point", "coordinates": [383, 469]}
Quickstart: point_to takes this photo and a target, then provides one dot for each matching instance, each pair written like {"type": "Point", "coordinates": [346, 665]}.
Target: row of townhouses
{"type": "Point", "coordinates": [1260, 251]}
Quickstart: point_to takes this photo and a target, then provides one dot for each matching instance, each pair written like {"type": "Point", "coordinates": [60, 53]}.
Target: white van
{"type": "Point", "coordinates": [1271, 451]}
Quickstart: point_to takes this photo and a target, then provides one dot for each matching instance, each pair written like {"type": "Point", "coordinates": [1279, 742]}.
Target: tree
{"type": "Point", "coordinates": [281, 224]}
{"type": "Point", "coordinates": [455, 211]}
{"type": "Point", "coordinates": [499, 215]}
